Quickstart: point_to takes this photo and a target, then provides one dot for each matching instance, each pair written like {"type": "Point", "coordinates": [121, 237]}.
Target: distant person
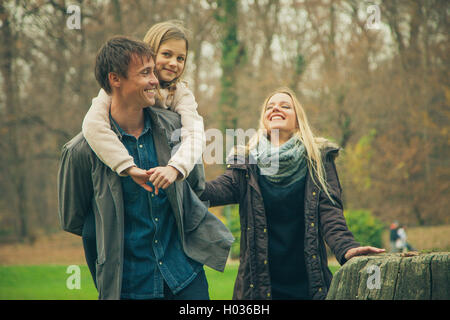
{"type": "Point", "coordinates": [287, 210]}
{"type": "Point", "coordinates": [393, 236]}
{"type": "Point", "coordinates": [138, 244]}
{"type": "Point", "coordinates": [402, 244]}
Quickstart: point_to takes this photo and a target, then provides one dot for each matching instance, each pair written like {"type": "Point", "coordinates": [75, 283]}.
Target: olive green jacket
{"type": "Point", "coordinates": [85, 184]}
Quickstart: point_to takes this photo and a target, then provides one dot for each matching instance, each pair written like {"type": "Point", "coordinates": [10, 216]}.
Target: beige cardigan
{"type": "Point", "coordinates": [107, 146]}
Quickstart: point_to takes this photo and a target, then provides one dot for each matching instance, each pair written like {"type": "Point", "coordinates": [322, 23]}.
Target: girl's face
{"type": "Point", "coordinates": [280, 114]}
{"type": "Point", "coordinates": [170, 59]}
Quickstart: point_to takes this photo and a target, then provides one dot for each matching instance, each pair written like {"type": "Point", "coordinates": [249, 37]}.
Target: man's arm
{"type": "Point", "coordinates": [75, 191]}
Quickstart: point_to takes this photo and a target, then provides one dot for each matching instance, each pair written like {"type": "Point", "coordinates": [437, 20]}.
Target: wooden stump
{"type": "Point", "coordinates": [393, 276]}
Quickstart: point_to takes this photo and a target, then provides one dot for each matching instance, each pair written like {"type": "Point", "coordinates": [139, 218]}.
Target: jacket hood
{"type": "Point", "coordinates": [326, 146]}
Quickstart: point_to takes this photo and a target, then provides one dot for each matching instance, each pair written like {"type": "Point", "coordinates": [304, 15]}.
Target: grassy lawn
{"type": "Point", "coordinates": [48, 282]}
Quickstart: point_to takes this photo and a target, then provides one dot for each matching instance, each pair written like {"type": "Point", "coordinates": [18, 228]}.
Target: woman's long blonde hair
{"type": "Point", "coordinates": [304, 134]}
{"type": "Point", "coordinates": [162, 32]}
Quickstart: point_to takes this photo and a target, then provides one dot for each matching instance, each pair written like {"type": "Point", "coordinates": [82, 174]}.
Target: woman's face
{"type": "Point", "coordinates": [280, 114]}
{"type": "Point", "coordinates": [170, 59]}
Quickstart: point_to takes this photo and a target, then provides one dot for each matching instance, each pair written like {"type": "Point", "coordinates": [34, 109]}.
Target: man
{"type": "Point", "coordinates": [148, 246]}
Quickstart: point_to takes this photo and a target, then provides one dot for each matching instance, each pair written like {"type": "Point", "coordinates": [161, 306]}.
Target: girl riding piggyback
{"type": "Point", "coordinates": [169, 42]}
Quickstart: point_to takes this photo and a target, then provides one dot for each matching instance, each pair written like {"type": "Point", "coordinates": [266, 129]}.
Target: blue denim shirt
{"type": "Point", "coordinates": [152, 247]}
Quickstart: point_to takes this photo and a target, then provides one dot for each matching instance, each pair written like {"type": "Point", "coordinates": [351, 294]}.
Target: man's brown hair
{"type": "Point", "coordinates": [115, 56]}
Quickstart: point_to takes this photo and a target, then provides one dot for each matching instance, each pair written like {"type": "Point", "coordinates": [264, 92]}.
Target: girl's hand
{"type": "Point", "coordinates": [139, 176]}
{"type": "Point", "coordinates": [359, 251]}
{"type": "Point", "coordinates": [162, 177]}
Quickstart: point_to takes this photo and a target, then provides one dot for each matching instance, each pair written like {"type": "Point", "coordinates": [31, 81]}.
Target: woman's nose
{"type": "Point", "coordinates": [276, 108]}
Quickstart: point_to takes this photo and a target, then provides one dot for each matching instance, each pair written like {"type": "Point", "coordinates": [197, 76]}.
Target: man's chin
{"type": "Point", "coordinates": [149, 102]}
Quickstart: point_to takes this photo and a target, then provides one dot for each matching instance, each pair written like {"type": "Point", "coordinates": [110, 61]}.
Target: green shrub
{"type": "Point", "coordinates": [366, 229]}
{"type": "Point", "coordinates": [231, 214]}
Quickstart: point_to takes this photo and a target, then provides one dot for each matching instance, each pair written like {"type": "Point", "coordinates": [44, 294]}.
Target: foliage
{"type": "Point", "coordinates": [350, 79]}
{"type": "Point", "coordinates": [233, 223]}
{"type": "Point", "coordinates": [366, 229]}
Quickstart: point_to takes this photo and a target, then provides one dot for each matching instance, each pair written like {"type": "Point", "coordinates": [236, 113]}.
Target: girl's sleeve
{"type": "Point", "coordinates": [102, 139]}
{"type": "Point", "coordinates": [192, 132]}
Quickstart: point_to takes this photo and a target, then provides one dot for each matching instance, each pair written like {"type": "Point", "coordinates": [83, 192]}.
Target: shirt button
{"type": "Point", "coordinates": [156, 241]}
{"type": "Point", "coordinates": [160, 263]}
{"type": "Point", "coordinates": [156, 219]}
{"type": "Point", "coordinates": [140, 146]}
{"type": "Point", "coordinates": [251, 285]}
{"type": "Point", "coordinates": [153, 195]}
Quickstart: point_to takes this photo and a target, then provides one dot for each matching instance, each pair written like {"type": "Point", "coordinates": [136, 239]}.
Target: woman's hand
{"type": "Point", "coordinates": [359, 251]}
{"type": "Point", "coordinates": [162, 177]}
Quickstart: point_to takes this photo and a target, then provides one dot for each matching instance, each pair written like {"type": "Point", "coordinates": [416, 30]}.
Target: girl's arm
{"type": "Point", "coordinates": [192, 132]}
{"type": "Point", "coordinates": [102, 139]}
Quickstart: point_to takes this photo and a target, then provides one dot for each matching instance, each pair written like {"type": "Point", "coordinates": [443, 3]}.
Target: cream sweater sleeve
{"type": "Point", "coordinates": [102, 139]}
{"type": "Point", "coordinates": [192, 132]}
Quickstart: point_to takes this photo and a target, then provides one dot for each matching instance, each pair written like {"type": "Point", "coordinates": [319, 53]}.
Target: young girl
{"type": "Point", "coordinates": [169, 41]}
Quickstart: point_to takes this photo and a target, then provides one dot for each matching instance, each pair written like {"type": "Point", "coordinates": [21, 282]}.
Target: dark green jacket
{"type": "Point", "coordinates": [85, 184]}
{"type": "Point", "coordinates": [324, 220]}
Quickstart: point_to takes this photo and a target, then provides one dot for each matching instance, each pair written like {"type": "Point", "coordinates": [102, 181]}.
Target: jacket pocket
{"type": "Point", "coordinates": [194, 210]}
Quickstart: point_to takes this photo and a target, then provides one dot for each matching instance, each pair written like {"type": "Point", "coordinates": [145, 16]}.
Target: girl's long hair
{"type": "Point", "coordinates": [162, 32]}
{"type": "Point", "coordinates": [304, 134]}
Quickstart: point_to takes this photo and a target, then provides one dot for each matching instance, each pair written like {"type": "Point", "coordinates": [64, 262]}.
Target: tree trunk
{"type": "Point", "coordinates": [393, 277]}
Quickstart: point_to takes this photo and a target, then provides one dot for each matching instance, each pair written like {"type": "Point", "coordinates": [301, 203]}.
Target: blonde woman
{"type": "Point", "coordinates": [289, 197]}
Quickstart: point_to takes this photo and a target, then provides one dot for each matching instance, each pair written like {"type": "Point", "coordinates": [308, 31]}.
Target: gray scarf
{"type": "Point", "coordinates": [281, 165]}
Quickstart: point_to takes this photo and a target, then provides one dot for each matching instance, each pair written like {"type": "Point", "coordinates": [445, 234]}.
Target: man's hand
{"type": "Point", "coordinates": [359, 251]}
{"type": "Point", "coordinates": [162, 177]}
{"type": "Point", "coordinates": [139, 176]}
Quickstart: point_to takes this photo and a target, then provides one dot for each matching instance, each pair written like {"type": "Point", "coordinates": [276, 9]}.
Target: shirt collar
{"type": "Point", "coordinates": [120, 132]}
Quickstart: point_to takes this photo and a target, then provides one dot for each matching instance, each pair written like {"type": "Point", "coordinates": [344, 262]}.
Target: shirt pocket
{"type": "Point", "coordinates": [131, 190]}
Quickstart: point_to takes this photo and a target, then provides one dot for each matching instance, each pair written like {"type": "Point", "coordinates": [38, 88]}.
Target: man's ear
{"type": "Point", "coordinates": [114, 80]}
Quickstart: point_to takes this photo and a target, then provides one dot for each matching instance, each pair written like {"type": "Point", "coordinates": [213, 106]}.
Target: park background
{"type": "Point", "coordinates": [373, 76]}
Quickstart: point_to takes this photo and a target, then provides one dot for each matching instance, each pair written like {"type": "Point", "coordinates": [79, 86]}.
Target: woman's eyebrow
{"type": "Point", "coordinates": [281, 102]}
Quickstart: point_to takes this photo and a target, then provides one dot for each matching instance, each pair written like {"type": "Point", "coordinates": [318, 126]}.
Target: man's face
{"type": "Point", "coordinates": [139, 88]}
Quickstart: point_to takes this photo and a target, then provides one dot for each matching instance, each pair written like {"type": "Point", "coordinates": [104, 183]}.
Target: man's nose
{"type": "Point", "coordinates": [153, 79]}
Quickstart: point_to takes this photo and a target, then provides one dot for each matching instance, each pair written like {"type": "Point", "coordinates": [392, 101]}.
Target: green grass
{"type": "Point", "coordinates": [48, 282]}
